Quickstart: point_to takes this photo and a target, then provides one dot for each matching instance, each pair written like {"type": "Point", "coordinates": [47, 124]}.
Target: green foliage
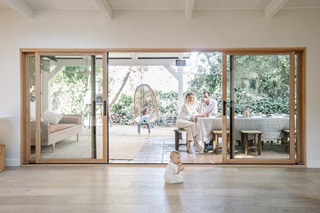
{"type": "Point", "coordinates": [122, 110]}
{"type": "Point", "coordinates": [269, 75]}
{"type": "Point", "coordinates": [68, 90]}
{"type": "Point", "coordinates": [263, 104]}
{"type": "Point", "coordinates": [266, 87]}
{"type": "Point", "coordinates": [208, 75]}
{"type": "Point", "coordinates": [167, 102]}
{"type": "Point", "coordinates": [267, 78]}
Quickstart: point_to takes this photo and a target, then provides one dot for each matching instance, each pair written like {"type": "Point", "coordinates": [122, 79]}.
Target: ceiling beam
{"type": "Point", "coordinates": [21, 6]}
{"type": "Point", "coordinates": [274, 7]}
{"type": "Point", "coordinates": [189, 9]}
{"type": "Point", "coordinates": [105, 8]}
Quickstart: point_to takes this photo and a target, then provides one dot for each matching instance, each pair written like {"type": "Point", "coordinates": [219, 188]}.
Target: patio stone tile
{"type": "Point", "coordinates": [159, 146]}
{"type": "Point", "coordinates": [142, 155]}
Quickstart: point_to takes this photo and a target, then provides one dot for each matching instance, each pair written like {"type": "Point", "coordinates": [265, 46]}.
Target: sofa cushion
{"type": "Point", "coordinates": [59, 127]}
{"type": "Point", "coordinates": [71, 119]}
{"type": "Point", "coordinates": [51, 117]}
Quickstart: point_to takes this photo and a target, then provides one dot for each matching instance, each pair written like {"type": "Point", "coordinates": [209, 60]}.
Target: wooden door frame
{"type": "Point", "coordinates": [301, 93]}
{"type": "Point", "coordinates": [25, 108]}
{"type": "Point", "coordinates": [301, 109]}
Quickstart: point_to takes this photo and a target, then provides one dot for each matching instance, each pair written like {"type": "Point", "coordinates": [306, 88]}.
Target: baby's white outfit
{"type": "Point", "coordinates": [171, 174]}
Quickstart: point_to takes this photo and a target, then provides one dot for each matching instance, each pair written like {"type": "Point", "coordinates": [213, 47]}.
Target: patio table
{"type": "Point", "coordinates": [270, 126]}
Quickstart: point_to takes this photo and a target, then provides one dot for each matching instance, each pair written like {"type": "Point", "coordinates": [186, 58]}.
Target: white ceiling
{"type": "Point", "coordinates": [271, 7]}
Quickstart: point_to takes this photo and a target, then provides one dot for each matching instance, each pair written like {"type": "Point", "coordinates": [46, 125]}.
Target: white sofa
{"type": "Point", "coordinates": [68, 126]}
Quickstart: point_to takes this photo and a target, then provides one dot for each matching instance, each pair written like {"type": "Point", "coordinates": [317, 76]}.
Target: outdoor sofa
{"type": "Point", "coordinates": [51, 133]}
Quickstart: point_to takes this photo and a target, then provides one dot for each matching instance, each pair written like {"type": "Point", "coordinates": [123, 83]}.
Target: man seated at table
{"type": "Point", "coordinates": [208, 106]}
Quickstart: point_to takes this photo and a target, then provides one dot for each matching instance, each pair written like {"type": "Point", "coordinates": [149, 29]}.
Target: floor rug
{"type": "Point", "coordinates": [125, 148]}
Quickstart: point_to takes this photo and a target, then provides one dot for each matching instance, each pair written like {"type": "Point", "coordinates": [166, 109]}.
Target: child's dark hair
{"type": "Point", "coordinates": [144, 111]}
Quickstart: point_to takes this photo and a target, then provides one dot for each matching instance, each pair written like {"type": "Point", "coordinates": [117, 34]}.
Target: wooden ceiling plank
{"type": "Point", "coordinates": [189, 9]}
{"type": "Point", "coordinates": [105, 7]}
{"type": "Point", "coordinates": [21, 6]}
{"type": "Point", "coordinates": [274, 7]}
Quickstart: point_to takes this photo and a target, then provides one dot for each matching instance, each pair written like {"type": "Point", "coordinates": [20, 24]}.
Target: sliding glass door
{"type": "Point", "coordinates": [67, 111]}
{"type": "Point", "coordinates": [260, 107]}
{"type": "Point", "coordinates": [260, 97]}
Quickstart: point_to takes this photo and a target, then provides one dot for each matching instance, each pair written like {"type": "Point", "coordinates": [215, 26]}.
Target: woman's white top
{"type": "Point", "coordinates": [187, 112]}
{"type": "Point", "coordinates": [171, 174]}
{"type": "Point", "coordinates": [146, 115]}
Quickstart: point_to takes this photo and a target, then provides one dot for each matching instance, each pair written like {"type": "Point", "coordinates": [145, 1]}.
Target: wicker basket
{"type": "Point", "coordinates": [2, 157]}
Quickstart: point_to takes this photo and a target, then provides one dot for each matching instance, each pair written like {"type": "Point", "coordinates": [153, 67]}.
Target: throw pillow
{"type": "Point", "coordinates": [51, 117]}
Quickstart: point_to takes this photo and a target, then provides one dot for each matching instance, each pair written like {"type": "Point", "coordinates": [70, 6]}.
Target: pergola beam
{"type": "Point", "coordinates": [189, 9]}
{"type": "Point", "coordinates": [105, 8]}
{"type": "Point", "coordinates": [172, 71]}
{"type": "Point", "coordinates": [21, 6]}
{"type": "Point", "coordinates": [121, 62]}
{"type": "Point", "coordinates": [133, 56]}
{"type": "Point", "coordinates": [274, 7]}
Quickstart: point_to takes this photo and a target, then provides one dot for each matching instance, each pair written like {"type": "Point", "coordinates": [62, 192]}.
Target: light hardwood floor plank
{"type": "Point", "coordinates": [104, 188]}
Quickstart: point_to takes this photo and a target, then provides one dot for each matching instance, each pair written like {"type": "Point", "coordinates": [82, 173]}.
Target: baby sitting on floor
{"type": "Point", "coordinates": [174, 167]}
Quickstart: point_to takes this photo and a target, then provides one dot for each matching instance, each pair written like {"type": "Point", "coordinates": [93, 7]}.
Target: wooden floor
{"type": "Point", "coordinates": [83, 189]}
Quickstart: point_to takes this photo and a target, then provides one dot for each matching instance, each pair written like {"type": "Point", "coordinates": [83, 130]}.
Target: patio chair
{"type": "Point", "coordinates": [216, 135]}
{"type": "Point", "coordinates": [256, 141]}
{"type": "Point", "coordinates": [145, 97]}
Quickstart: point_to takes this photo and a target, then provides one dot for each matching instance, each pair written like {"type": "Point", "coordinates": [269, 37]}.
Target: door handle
{"type": "Point", "coordinates": [104, 108]}
{"type": "Point", "coordinates": [224, 108]}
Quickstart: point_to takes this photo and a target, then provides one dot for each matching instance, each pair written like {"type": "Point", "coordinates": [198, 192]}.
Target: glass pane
{"type": "Point", "coordinates": [297, 72]}
{"type": "Point", "coordinates": [67, 85]}
{"type": "Point", "coordinates": [208, 78]}
{"type": "Point", "coordinates": [259, 87]}
{"type": "Point", "coordinates": [32, 98]}
{"type": "Point", "coordinates": [159, 81]}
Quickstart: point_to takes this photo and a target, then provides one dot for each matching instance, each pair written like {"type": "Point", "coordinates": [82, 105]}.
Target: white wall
{"type": "Point", "coordinates": [142, 29]}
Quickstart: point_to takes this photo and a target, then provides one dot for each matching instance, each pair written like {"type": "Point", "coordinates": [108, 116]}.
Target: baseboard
{"type": "Point", "coordinates": [12, 162]}
{"type": "Point", "coordinates": [313, 164]}
{"type": "Point", "coordinates": [16, 162]}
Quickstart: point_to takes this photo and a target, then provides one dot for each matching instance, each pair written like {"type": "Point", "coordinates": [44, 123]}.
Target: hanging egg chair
{"type": "Point", "coordinates": [145, 97]}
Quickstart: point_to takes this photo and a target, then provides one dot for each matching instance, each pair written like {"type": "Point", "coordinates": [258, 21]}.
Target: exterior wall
{"type": "Point", "coordinates": [156, 29]}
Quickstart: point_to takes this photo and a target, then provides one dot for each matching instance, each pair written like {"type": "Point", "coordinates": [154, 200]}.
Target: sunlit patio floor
{"type": "Point", "coordinates": [156, 148]}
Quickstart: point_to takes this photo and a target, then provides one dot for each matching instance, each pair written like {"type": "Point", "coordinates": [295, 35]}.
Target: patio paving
{"type": "Point", "coordinates": [156, 149]}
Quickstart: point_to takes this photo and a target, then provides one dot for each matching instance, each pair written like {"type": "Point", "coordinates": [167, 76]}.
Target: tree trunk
{"type": "Point", "coordinates": [124, 81]}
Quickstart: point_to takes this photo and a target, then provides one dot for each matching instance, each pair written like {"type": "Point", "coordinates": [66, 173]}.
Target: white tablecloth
{"type": "Point", "coordinates": [270, 126]}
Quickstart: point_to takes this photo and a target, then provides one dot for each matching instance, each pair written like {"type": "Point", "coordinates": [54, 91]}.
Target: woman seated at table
{"type": "Point", "coordinates": [187, 119]}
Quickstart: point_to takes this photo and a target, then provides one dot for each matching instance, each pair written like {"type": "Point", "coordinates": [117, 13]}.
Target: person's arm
{"type": "Point", "coordinates": [195, 115]}
{"type": "Point", "coordinates": [180, 167]}
{"type": "Point", "coordinates": [175, 168]}
{"type": "Point", "coordinates": [184, 113]}
{"type": "Point", "coordinates": [201, 105]}
{"type": "Point", "coordinates": [215, 107]}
